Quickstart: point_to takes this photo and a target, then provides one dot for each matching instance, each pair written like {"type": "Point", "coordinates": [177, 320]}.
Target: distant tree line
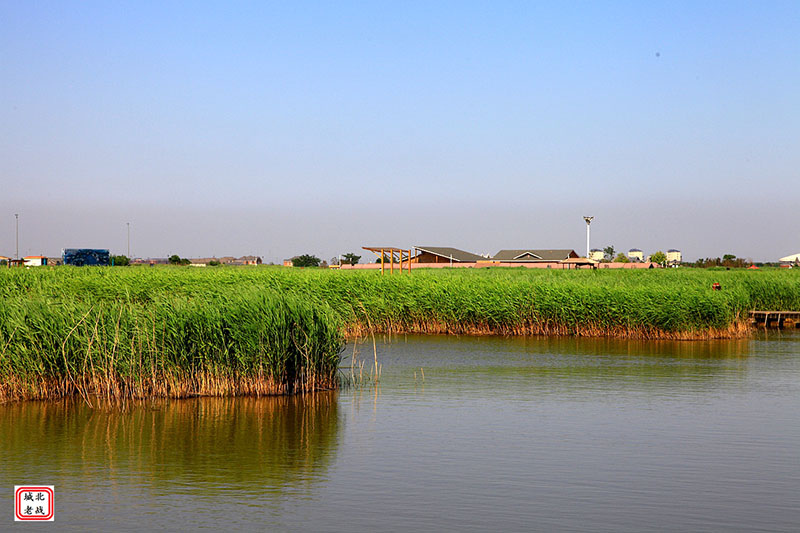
{"type": "Point", "coordinates": [309, 260]}
{"type": "Point", "coordinates": [350, 259]}
{"type": "Point", "coordinates": [306, 260]}
{"type": "Point", "coordinates": [727, 260]}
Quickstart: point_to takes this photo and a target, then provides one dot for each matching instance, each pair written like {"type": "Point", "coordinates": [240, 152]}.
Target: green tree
{"type": "Point", "coordinates": [350, 259]}
{"type": "Point", "coordinates": [621, 258]}
{"type": "Point", "coordinates": [608, 253]}
{"type": "Point", "coordinates": [120, 260]}
{"type": "Point", "coordinates": [213, 263]}
{"type": "Point", "coordinates": [728, 257]}
{"type": "Point", "coordinates": [306, 260]}
{"type": "Point", "coordinates": [175, 259]}
{"type": "Point", "coordinates": [659, 257]}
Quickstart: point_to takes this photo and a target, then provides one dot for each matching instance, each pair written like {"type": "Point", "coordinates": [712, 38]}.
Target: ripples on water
{"type": "Point", "coordinates": [502, 434]}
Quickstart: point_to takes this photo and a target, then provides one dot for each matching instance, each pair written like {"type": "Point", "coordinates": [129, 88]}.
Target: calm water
{"type": "Point", "coordinates": [503, 434]}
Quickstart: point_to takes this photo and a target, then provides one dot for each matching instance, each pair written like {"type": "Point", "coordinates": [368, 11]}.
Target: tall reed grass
{"type": "Point", "coordinates": [140, 332]}
{"type": "Point", "coordinates": [252, 342]}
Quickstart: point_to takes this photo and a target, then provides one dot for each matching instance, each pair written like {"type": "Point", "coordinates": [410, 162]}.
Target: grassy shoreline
{"type": "Point", "coordinates": [178, 332]}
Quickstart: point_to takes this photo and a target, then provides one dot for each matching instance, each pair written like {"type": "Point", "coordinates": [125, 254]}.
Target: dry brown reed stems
{"type": "Point", "coordinates": [737, 329]}
{"type": "Point", "coordinates": [102, 387]}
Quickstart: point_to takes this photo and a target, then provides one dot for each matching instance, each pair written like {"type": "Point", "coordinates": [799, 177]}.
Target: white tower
{"type": "Point", "coordinates": [588, 223]}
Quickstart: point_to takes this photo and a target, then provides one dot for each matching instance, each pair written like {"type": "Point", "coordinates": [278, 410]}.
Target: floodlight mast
{"type": "Point", "coordinates": [588, 224]}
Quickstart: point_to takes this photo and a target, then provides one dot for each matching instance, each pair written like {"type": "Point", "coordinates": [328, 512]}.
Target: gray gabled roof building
{"type": "Point", "coordinates": [518, 256]}
{"type": "Point", "coordinates": [446, 253]}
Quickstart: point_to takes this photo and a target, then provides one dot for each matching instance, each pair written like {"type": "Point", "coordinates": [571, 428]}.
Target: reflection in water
{"type": "Point", "coordinates": [213, 444]}
{"type": "Point", "coordinates": [576, 346]}
{"type": "Point", "coordinates": [556, 364]}
{"type": "Point", "coordinates": [725, 348]}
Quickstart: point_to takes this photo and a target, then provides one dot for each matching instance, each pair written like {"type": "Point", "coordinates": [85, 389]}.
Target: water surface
{"type": "Point", "coordinates": [505, 434]}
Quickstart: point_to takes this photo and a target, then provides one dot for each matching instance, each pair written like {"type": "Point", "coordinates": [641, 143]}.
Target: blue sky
{"type": "Point", "coordinates": [280, 129]}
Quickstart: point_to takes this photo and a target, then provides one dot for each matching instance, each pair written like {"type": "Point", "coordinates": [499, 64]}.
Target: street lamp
{"type": "Point", "coordinates": [588, 224]}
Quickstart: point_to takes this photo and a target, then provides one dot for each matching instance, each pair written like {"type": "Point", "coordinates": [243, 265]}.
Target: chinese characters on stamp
{"type": "Point", "coordinates": [34, 503]}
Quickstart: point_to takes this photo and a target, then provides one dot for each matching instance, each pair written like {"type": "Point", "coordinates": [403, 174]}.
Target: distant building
{"type": "Point", "coordinates": [635, 254]}
{"type": "Point", "coordinates": [440, 254]}
{"type": "Point", "coordinates": [288, 262]}
{"type": "Point", "coordinates": [35, 260]}
{"type": "Point", "coordinates": [203, 261]}
{"type": "Point", "coordinates": [596, 254]}
{"type": "Point", "coordinates": [249, 260]}
{"type": "Point", "coordinates": [674, 256]}
{"type": "Point", "coordinates": [54, 261]}
{"type": "Point", "coordinates": [534, 256]}
{"type": "Point", "coordinates": [4, 260]}
{"type": "Point", "coordinates": [790, 259]}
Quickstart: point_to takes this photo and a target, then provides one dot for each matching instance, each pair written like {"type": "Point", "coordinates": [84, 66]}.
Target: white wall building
{"type": "Point", "coordinates": [595, 254]}
{"type": "Point", "coordinates": [674, 256]}
{"type": "Point", "coordinates": [35, 260]}
{"type": "Point", "coordinates": [635, 254]}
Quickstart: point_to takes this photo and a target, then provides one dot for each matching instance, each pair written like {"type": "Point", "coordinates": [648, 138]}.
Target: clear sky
{"type": "Point", "coordinates": [278, 129]}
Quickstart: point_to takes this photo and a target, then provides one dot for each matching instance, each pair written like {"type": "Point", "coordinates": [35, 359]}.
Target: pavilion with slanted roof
{"type": "Point", "coordinates": [382, 251]}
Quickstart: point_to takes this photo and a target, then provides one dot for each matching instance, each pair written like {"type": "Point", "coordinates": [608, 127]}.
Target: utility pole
{"type": "Point", "coordinates": [588, 223]}
{"type": "Point", "coordinates": [16, 254]}
{"type": "Point", "coordinates": [129, 239]}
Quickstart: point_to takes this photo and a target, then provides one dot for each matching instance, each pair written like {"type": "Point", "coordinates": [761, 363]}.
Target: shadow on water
{"type": "Point", "coordinates": [206, 445]}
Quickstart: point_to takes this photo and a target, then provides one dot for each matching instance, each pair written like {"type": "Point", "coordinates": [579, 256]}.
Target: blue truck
{"type": "Point", "coordinates": [85, 257]}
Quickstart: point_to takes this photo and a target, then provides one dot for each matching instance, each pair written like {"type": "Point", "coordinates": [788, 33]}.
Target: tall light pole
{"type": "Point", "coordinates": [588, 224]}
{"type": "Point", "coordinates": [16, 254]}
{"type": "Point", "coordinates": [129, 239]}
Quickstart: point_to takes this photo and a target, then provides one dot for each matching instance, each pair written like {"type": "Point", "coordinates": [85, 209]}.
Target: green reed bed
{"type": "Point", "coordinates": [160, 344]}
{"type": "Point", "coordinates": [179, 331]}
